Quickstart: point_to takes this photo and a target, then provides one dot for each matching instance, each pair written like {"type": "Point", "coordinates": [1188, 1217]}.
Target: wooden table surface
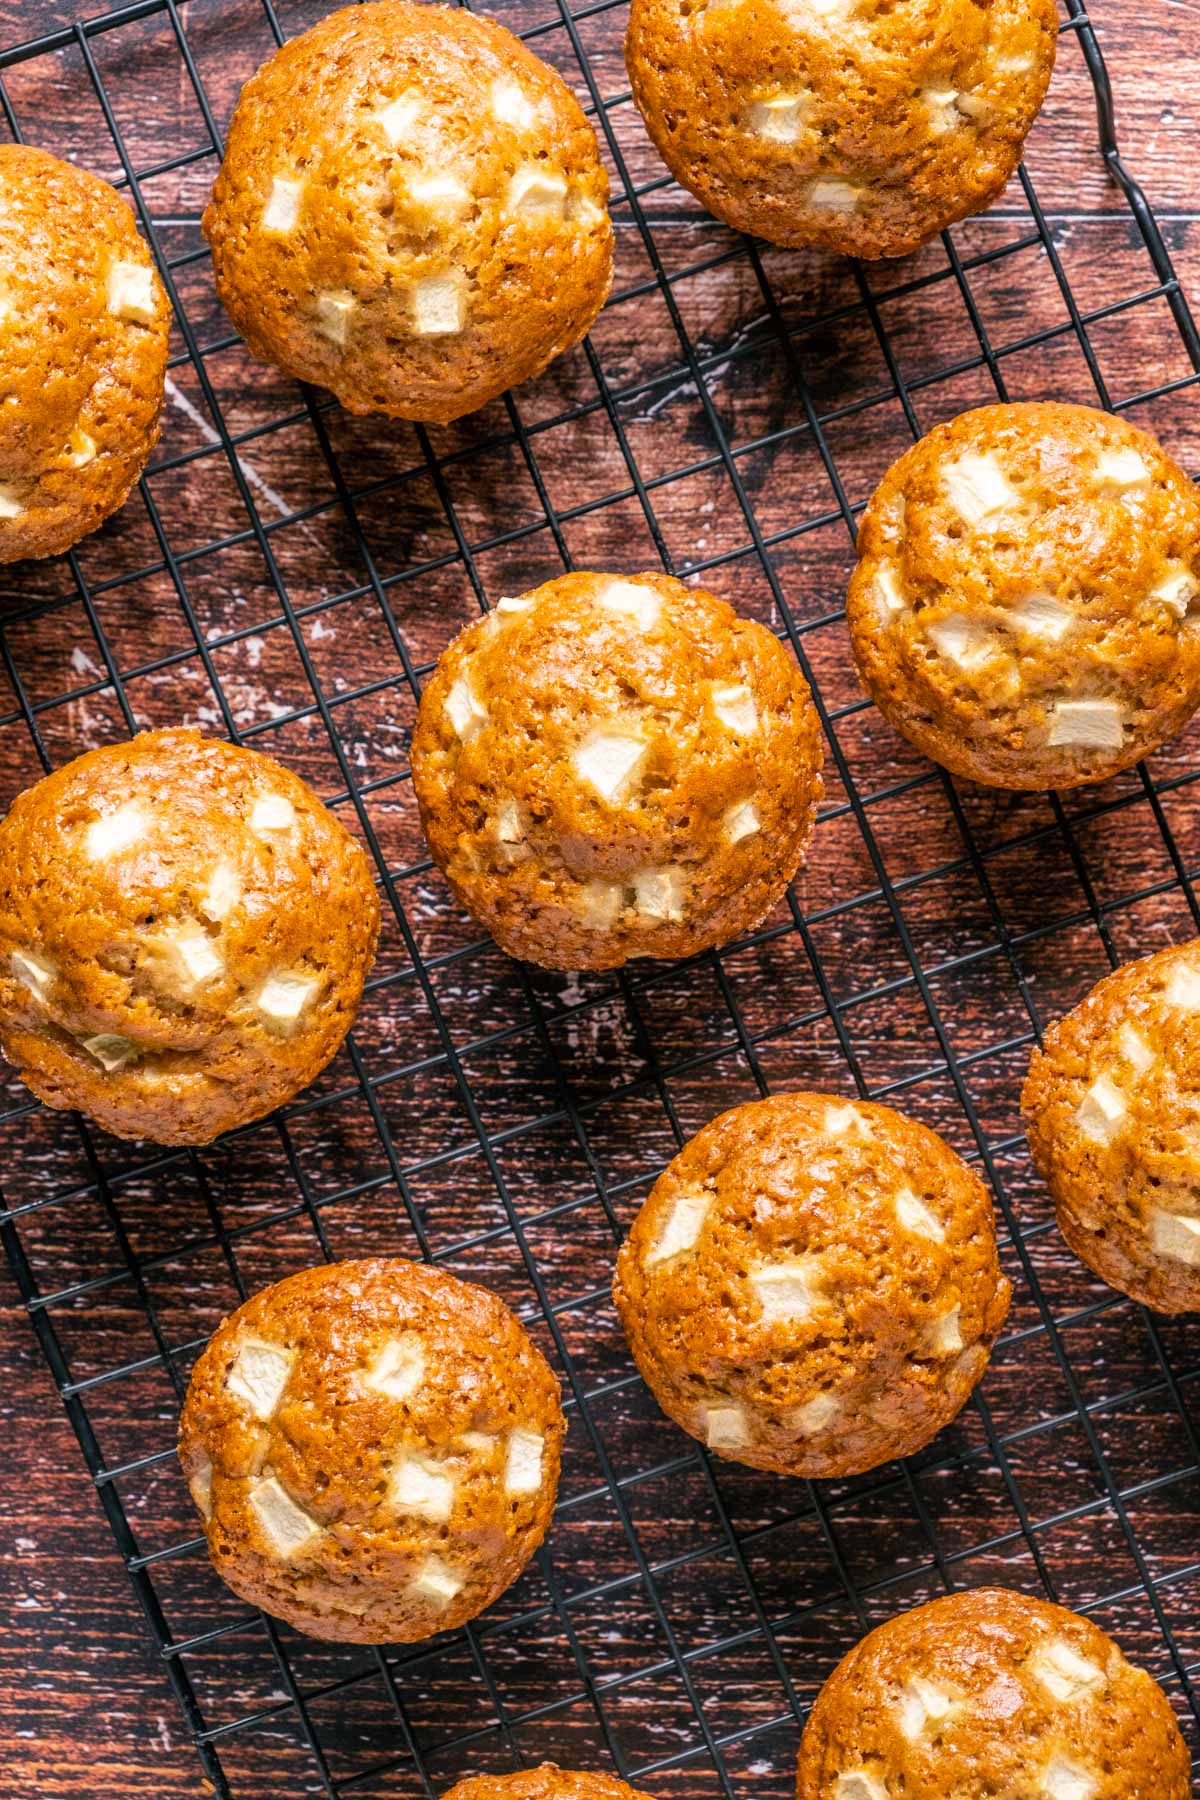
{"type": "Point", "coordinates": [85, 1707]}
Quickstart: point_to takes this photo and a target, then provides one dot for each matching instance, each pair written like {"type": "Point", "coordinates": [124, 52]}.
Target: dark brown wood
{"type": "Point", "coordinates": [85, 1707]}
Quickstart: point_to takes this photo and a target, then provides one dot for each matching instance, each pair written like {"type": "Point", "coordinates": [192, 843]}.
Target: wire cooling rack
{"type": "Point", "coordinates": [287, 576]}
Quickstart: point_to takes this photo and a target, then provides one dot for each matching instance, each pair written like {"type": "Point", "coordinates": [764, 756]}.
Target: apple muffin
{"type": "Point", "coordinates": [1110, 1107]}
{"type": "Point", "coordinates": [374, 1448]}
{"type": "Point", "coordinates": [1026, 605]}
{"type": "Point", "coordinates": [860, 126]}
{"type": "Point", "coordinates": [84, 323]}
{"type": "Point", "coordinates": [812, 1285]}
{"type": "Point", "coordinates": [613, 766]}
{"type": "Point", "coordinates": [546, 1782]}
{"type": "Point", "coordinates": [411, 211]}
{"type": "Point", "coordinates": [990, 1692]}
{"type": "Point", "coordinates": [184, 935]}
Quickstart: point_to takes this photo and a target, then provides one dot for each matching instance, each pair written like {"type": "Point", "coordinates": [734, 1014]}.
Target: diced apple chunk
{"type": "Point", "coordinates": [1176, 1236]}
{"type": "Point", "coordinates": [815, 1414]}
{"type": "Point", "coordinates": [438, 305]}
{"type": "Point", "coordinates": [523, 1463]}
{"type": "Point", "coordinates": [34, 972]}
{"type": "Point", "coordinates": [397, 117]}
{"type": "Point", "coordinates": [284, 997]}
{"type": "Point", "coordinates": [193, 958]}
{"type": "Point", "coordinates": [283, 206]}
{"type": "Point", "coordinates": [466, 713]}
{"type": "Point", "coordinates": [115, 831]}
{"type": "Point", "coordinates": [963, 640]}
{"type": "Point", "coordinates": [778, 117]}
{"type": "Point", "coordinates": [916, 1217]}
{"type": "Point", "coordinates": [11, 506]}
{"type": "Point", "coordinates": [943, 1337]}
{"type": "Point", "coordinates": [436, 1583]}
{"type": "Point", "coordinates": [741, 820]}
{"type": "Point", "coordinates": [830, 194]}
{"type": "Point", "coordinates": [1135, 1049]}
{"type": "Point", "coordinates": [660, 893]}
{"type": "Point", "coordinates": [1183, 987]}
{"type": "Point", "coordinates": [1065, 1780]}
{"type": "Point", "coordinates": [1122, 470]}
{"type": "Point", "coordinates": [272, 812]}
{"type": "Point", "coordinates": [726, 1428]}
{"type": "Point", "coordinates": [859, 1784]}
{"type": "Point", "coordinates": [81, 448]}
{"type": "Point", "coordinates": [941, 106]}
{"type": "Point", "coordinates": [398, 1368]}
{"type": "Point", "coordinates": [1177, 589]}
{"type": "Point", "coordinates": [979, 490]}
{"type": "Point", "coordinates": [635, 600]}
{"type": "Point", "coordinates": [600, 903]}
{"type": "Point", "coordinates": [539, 192]}
{"type": "Point", "coordinates": [131, 295]}
{"type": "Point", "coordinates": [788, 1289]}
{"type": "Point", "coordinates": [1065, 1674]}
{"type": "Point", "coordinates": [1042, 616]}
{"type": "Point", "coordinates": [511, 106]}
{"type": "Point", "coordinates": [420, 1487]}
{"type": "Point", "coordinates": [922, 1702]}
{"type": "Point", "coordinates": [1102, 1110]}
{"type": "Point", "coordinates": [609, 758]}
{"type": "Point", "coordinates": [333, 315]}
{"type": "Point", "coordinates": [846, 1121]}
{"type": "Point", "coordinates": [200, 1488]}
{"type": "Point", "coordinates": [508, 604]}
{"type": "Point", "coordinates": [110, 1050]}
{"type": "Point", "coordinates": [888, 591]}
{"type": "Point", "coordinates": [734, 705]}
{"type": "Point", "coordinates": [258, 1375]}
{"type": "Point", "coordinates": [222, 894]}
{"type": "Point", "coordinates": [286, 1526]}
{"type": "Point", "coordinates": [682, 1227]}
{"type": "Point", "coordinates": [1087, 725]}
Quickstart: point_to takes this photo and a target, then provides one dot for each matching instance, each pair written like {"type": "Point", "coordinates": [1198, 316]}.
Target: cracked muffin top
{"type": "Point", "coordinates": [1026, 605]}
{"type": "Point", "coordinates": [812, 1285]}
{"type": "Point", "coordinates": [184, 935]}
{"type": "Point", "coordinates": [1112, 1105]}
{"type": "Point", "coordinates": [864, 126]}
{"type": "Point", "coordinates": [615, 766]}
{"type": "Point", "coordinates": [373, 1447]}
{"type": "Point", "coordinates": [990, 1693]}
{"type": "Point", "coordinates": [411, 211]}
{"type": "Point", "coordinates": [84, 323]}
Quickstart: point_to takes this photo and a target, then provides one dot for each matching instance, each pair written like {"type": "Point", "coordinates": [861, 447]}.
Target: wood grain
{"type": "Point", "coordinates": [590, 1075]}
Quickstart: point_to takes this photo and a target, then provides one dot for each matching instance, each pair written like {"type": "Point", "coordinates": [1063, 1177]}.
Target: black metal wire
{"type": "Point", "coordinates": [107, 1177]}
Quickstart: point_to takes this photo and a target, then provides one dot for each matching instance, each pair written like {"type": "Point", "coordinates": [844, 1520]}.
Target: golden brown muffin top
{"type": "Point", "coordinates": [546, 1782]}
{"type": "Point", "coordinates": [411, 210]}
{"type": "Point", "coordinates": [812, 1285]}
{"type": "Point", "coordinates": [184, 935]}
{"type": "Point", "coordinates": [859, 125]}
{"type": "Point", "coordinates": [374, 1449]}
{"type": "Point", "coordinates": [1112, 1103]}
{"type": "Point", "coordinates": [84, 324]}
{"type": "Point", "coordinates": [1026, 606]}
{"type": "Point", "coordinates": [990, 1693]}
{"type": "Point", "coordinates": [615, 766]}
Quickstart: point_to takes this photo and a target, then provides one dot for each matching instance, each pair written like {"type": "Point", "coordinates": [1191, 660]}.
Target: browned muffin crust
{"type": "Point", "coordinates": [84, 323]}
{"type": "Point", "coordinates": [184, 936]}
{"type": "Point", "coordinates": [991, 1693]}
{"type": "Point", "coordinates": [616, 766]}
{"type": "Point", "coordinates": [374, 1449]}
{"type": "Point", "coordinates": [858, 125]}
{"type": "Point", "coordinates": [812, 1285]}
{"type": "Point", "coordinates": [1111, 1104]}
{"type": "Point", "coordinates": [1026, 606]}
{"type": "Point", "coordinates": [412, 211]}
{"type": "Point", "coordinates": [546, 1782]}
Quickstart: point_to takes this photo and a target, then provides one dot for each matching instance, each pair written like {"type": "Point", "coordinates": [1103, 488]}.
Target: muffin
{"type": "Point", "coordinates": [812, 1285]}
{"type": "Point", "coordinates": [1110, 1106]}
{"type": "Point", "coordinates": [184, 936]}
{"type": "Point", "coordinates": [616, 766]}
{"type": "Point", "coordinates": [991, 1693]}
{"type": "Point", "coordinates": [373, 1447]}
{"type": "Point", "coordinates": [547, 1782]}
{"type": "Point", "coordinates": [411, 211]}
{"type": "Point", "coordinates": [84, 324]}
{"type": "Point", "coordinates": [856, 125]}
{"type": "Point", "coordinates": [1026, 606]}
